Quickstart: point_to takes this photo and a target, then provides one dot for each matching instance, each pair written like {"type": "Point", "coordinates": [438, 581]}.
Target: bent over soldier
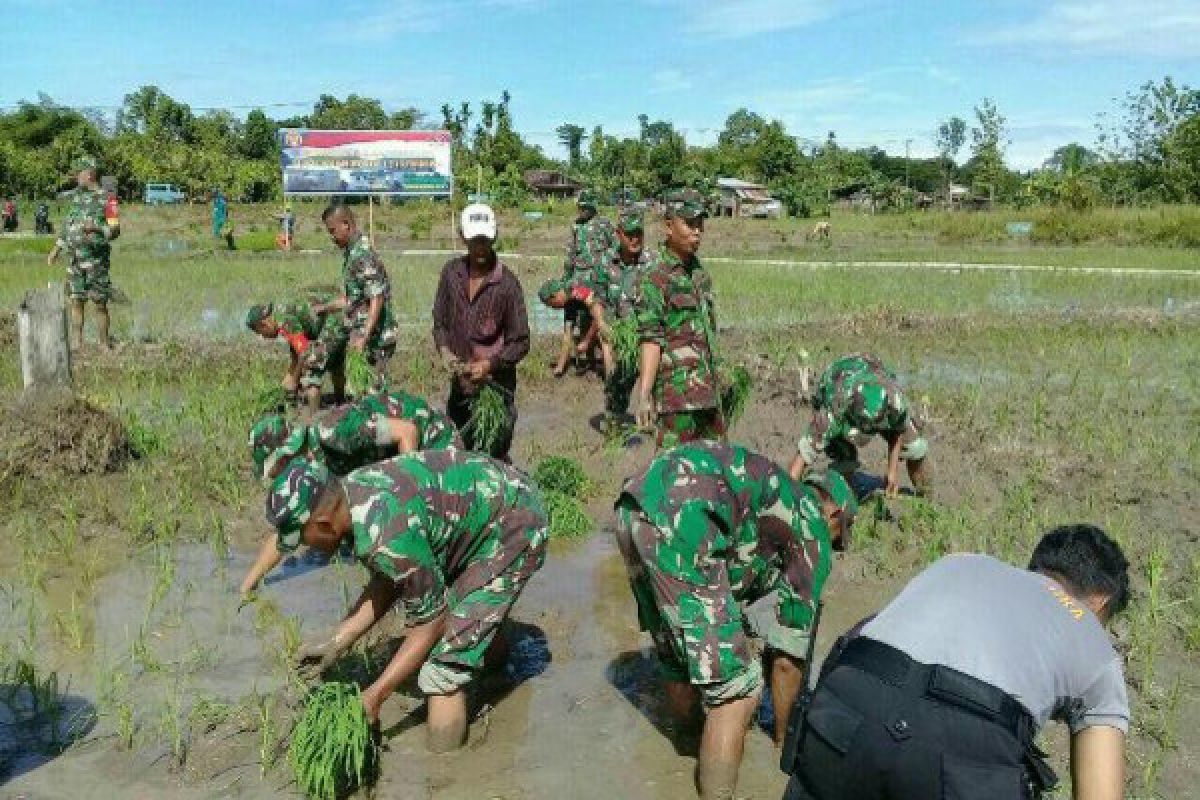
{"type": "Point", "coordinates": [858, 397]}
{"type": "Point", "coordinates": [449, 537]}
{"type": "Point", "coordinates": [348, 437]}
{"type": "Point", "coordinates": [707, 531]}
{"type": "Point", "coordinates": [85, 237]}
{"type": "Point", "coordinates": [297, 325]}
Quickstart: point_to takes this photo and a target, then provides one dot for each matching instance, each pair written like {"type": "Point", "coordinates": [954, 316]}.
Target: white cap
{"type": "Point", "coordinates": [478, 219]}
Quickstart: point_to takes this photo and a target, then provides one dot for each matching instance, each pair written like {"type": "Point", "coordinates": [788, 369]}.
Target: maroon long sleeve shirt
{"type": "Point", "coordinates": [492, 326]}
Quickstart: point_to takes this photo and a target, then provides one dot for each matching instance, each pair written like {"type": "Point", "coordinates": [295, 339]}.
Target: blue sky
{"type": "Point", "coordinates": [876, 72]}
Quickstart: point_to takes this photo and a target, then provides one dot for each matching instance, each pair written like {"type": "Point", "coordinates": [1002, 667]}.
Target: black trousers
{"type": "Point", "coordinates": [865, 739]}
{"type": "Point", "coordinates": [458, 409]}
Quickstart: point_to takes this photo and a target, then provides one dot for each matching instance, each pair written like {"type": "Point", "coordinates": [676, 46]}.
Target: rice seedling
{"type": "Point", "coordinates": [626, 350]}
{"type": "Point", "coordinates": [268, 744]}
{"type": "Point", "coordinates": [567, 516]}
{"type": "Point", "coordinates": [562, 474]}
{"type": "Point", "coordinates": [359, 374]}
{"type": "Point", "coordinates": [735, 394]}
{"type": "Point", "coordinates": [332, 749]}
{"type": "Point", "coordinates": [488, 419]}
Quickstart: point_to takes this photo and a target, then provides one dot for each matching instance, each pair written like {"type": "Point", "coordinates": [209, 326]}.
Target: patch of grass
{"type": "Point", "coordinates": [332, 750]}
{"type": "Point", "coordinates": [568, 516]}
{"type": "Point", "coordinates": [564, 475]}
{"type": "Point", "coordinates": [359, 374]}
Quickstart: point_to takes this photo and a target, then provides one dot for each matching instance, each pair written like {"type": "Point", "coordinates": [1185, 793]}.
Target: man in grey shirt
{"type": "Point", "coordinates": [942, 693]}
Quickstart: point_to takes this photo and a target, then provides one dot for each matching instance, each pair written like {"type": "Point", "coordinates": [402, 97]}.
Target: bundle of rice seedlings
{"type": "Point", "coordinates": [562, 474]}
{"type": "Point", "coordinates": [332, 751]}
{"type": "Point", "coordinates": [359, 375]}
{"type": "Point", "coordinates": [735, 394]}
{"type": "Point", "coordinates": [626, 349]}
{"type": "Point", "coordinates": [488, 419]}
{"type": "Point", "coordinates": [568, 517]}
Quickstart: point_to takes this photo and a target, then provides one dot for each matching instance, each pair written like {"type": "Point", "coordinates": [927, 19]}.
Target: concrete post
{"type": "Point", "coordinates": [42, 335]}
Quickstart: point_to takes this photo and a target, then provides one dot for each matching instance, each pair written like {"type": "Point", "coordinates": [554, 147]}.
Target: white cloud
{"type": "Point", "coordinates": [736, 19]}
{"type": "Point", "coordinates": [665, 81]}
{"type": "Point", "coordinates": [1158, 28]}
{"type": "Point", "coordinates": [382, 21]}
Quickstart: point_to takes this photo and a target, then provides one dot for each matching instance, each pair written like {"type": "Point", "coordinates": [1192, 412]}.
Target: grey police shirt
{"type": "Point", "coordinates": [1015, 629]}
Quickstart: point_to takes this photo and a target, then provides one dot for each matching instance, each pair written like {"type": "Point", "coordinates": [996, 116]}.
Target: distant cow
{"type": "Point", "coordinates": [820, 232]}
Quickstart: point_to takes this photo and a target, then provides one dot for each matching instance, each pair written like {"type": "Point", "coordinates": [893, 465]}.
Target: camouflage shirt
{"type": "Point", "coordinates": [590, 244]}
{"type": "Point", "coordinates": [616, 281]}
{"type": "Point", "coordinates": [363, 279]}
{"type": "Point", "coordinates": [425, 519]}
{"type": "Point", "coordinates": [85, 205]}
{"type": "Point", "coordinates": [857, 394]}
{"type": "Point", "coordinates": [674, 309]}
{"type": "Point", "coordinates": [298, 325]}
{"type": "Point", "coordinates": [348, 438]}
{"type": "Point", "coordinates": [769, 528]}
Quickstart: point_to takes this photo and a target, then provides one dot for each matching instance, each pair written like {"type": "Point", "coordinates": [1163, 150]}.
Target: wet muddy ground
{"type": "Point", "coordinates": [190, 696]}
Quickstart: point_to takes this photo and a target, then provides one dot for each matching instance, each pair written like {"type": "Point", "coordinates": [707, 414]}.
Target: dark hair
{"type": "Point", "coordinates": [335, 208]}
{"type": "Point", "coordinates": [1090, 561]}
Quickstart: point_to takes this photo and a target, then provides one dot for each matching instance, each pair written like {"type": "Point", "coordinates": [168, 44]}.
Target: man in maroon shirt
{"type": "Point", "coordinates": [480, 325]}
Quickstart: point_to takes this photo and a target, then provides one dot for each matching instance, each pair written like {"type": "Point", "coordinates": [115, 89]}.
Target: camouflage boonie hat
{"type": "Point", "coordinates": [291, 498]}
{"type": "Point", "coordinates": [833, 484]}
{"type": "Point", "coordinates": [868, 405]}
{"type": "Point", "coordinates": [551, 288]}
{"type": "Point", "coordinates": [86, 162]}
{"type": "Point", "coordinates": [257, 314]}
{"type": "Point", "coordinates": [267, 434]}
{"type": "Point", "coordinates": [292, 446]}
{"type": "Point", "coordinates": [685, 203]}
{"type": "Point", "coordinates": [632, 220]}
{"type": "Point", "coordinates": [588, 199]}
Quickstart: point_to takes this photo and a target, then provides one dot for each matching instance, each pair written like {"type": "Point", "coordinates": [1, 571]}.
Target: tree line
{"type": "Point", "coordinates": [1147, 150]}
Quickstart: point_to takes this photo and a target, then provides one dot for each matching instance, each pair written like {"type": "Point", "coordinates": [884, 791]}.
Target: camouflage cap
{"type": "Point", "coordinates": [833, 484]}
{"type": "Point", "coordinates": [267, 434]}
{"type": "Point", "coordinates": [551, 288]}
{"type": "Point", "coordinates": [292, 497]}
{"type": "Point", "coordinates": [257, 314]}
{"type": "Point", "coordinates": [684, 203]}
{"type": "Point", "coordinates": [294, 445]}
{"type": "Point", "coordinates": [631, 220]}
{"type": "Point", "coordinates": [588, 198]}
{"type": "Point", "coordinates": [86, 162]}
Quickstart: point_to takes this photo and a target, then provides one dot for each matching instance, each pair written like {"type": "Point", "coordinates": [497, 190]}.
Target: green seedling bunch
{"type": "Point", "coordinates": [625, 344]}
{"type": "Point", "coordinates": [735, 394]}
{"type": "Point", "coordinates": [359, 375]}
{"type": "Point", "coordinates": [488, 419]}
{"type": "Point", "coordinates": [562, 474]}
{"type": "Point", "coordinates": [568, 516]}
{"type": "Point", "coordinates": [332, 750]}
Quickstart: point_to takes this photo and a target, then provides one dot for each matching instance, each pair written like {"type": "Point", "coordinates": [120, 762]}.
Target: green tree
{"type": "Point", "coordinates": [951, 135]}
{"type": "Point", "coordinates": [258, 139]}
{"type": "Point", "coordinates": [571, 137]}
{"type": "Point", "coordinates": [353, 113]}
{"type": "Point", "coordinates": [989, 138]}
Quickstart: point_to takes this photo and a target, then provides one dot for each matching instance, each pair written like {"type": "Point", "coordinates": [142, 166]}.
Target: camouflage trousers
{"type": "Point", "coordinates": [680, 427]}
{"type": "Point", "coordinates": [842, 451]}
{"type": "Point", "coordinates": [328, 353]}
{"type": "Point", "coordinates": [478, 602]}
{"type": "Point", "coordinates": [686, 604]}
{"type": "Point", "coordinates": [87, 279]}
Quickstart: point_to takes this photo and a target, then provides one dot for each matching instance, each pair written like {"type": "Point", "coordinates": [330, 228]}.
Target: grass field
{"type": "Point", "coordinates": [1053, 397]}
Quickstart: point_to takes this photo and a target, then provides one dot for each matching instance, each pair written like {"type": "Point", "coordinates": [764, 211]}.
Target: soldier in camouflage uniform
{"type": "Point", "coordinates": [85, 236]}
{"type": "Point", "coordinates": [300, 328]}
{"type": "Point", "coordinates": [676, 327]}
{"type": "Point", "coordinates": [858, 397]}
{"type": "Point", "coordinates": [448, 536]}
{"type": "Point", "coordinates": [722, 545]}
{"type": "Point", "coordinates": [368, 324]}
{"type": "Point", "coordinates": [376, 428]}
{"type": "Point", "coordinates": [617, 278]}
{"type": "Point", "coordinates": [592, 238]}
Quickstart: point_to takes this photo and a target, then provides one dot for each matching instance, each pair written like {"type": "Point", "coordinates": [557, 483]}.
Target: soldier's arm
{"type": "Point", "coordinates": [374, 312]}
{"type": "Point", "coordinates": [1098, 763]}
{"type": "Point", "coordinates": [892, 479]}
{"type": "Point", "coordinates": [419, 642]}
{"type": "Point", "coordinates": [375, 286]}
{"type": "Point", "coordinates": [267, 560]}
{"type": "Point", "coordinates": [377, 597]}
{"type": "Point", "coordinates": [54, 251]}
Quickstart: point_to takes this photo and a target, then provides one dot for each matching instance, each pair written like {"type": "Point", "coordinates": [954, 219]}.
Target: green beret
{"type": "Point", "coordinates": [292, 497]}
{"type": "Point", "coordinates": [267, 434]}
{"type": "Point", "coordinates": [588, 199]}
{"type": "Point", "coordinates": [685, 203]}
{"type": "Point", "coordinates": [551, 288]}
{"type": "Point", "coordinates": [257, 314]}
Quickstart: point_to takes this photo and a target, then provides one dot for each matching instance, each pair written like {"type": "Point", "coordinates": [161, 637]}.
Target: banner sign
{"type": "Point", "coordinates": [412, 163]}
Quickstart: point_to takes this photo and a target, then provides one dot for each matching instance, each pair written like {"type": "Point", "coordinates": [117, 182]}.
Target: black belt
{"type": "Point", "coordinates": [939, 683]}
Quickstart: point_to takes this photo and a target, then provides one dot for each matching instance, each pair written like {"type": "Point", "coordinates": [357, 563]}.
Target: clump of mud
{"type": "Point", "coordinates": [58, 433]}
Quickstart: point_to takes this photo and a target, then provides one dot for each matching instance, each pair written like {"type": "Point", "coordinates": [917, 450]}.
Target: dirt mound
{"type": "Point", "coordinates": [59, 433]}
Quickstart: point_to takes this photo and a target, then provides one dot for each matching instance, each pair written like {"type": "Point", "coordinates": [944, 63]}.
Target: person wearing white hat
{"type": "Point", "coordinates": [480, 325]}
